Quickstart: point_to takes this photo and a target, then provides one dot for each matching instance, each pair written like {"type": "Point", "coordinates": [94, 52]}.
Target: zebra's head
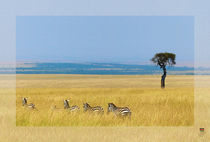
{"type": "Point", "coordinates": [24, 101]}
{"type": "Point", "coordinates": [66, 104]}
{"type": "Point", "coordinates": [65, 101]}
{"type": "Point", "coordinates": [86, 106]}
{"type": "Point", "coordinates": [111, 107]}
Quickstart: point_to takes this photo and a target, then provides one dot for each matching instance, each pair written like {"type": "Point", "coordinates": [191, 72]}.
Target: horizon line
{"type": "Point", "coordinates": [148, 64]}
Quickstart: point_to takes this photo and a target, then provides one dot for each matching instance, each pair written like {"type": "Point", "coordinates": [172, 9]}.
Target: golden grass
{"type": "Point", "coordinates": [9, 132]}
{"type": "Point", "coordinates": [150, 105]}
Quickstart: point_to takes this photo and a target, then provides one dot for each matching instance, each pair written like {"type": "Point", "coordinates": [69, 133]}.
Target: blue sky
{"type": "Point", "coordinates": [113, 39]}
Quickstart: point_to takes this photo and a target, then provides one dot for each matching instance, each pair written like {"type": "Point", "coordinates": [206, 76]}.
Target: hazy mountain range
{"type": "Point", "coordinates": [96, 68]}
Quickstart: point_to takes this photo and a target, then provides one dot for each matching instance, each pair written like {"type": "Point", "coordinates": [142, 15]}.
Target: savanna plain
{"type": "Point", "coordinates": [150, 105]}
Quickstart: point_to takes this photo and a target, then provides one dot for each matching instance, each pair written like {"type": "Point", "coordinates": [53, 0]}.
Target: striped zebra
{"type": "Point", "coordinates": [25, 103]}
{"type": "Point", "coordinates": [71, 108]}
{"type": "Point", "coordinates": [88, 108]}
{"type": "Point", "coordinates": [118, 111]}
{"type": "Point", "coordinates": [66, 104]}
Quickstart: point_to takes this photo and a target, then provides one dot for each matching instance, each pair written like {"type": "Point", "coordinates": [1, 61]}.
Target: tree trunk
{"type": "Point", "coordinates": [163, 77]}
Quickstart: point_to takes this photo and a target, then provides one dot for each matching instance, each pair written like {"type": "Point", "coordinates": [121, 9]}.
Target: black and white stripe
{"type": "Point", "coordinates": [74, 108]}
{"type": "Point", "coordinates": [118, 111]}
{"type": "Point", "coordinates": [87, 107]}
{"type": "Point", "coordinates": [66, 104]}
{"type": "Point", "coordinates": [24, 101]}
{"type": "Point", "coordinates": [31, 105]}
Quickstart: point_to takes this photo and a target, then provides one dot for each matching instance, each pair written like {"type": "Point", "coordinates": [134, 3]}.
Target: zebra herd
{"type": "Point", "coordinates": [118, 111]}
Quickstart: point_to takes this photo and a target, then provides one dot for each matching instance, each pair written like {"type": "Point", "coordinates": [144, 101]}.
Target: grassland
{"type": "Point", "coordinates": [150, 105]}
{"type": "Point", "coordinates": [9, 132]}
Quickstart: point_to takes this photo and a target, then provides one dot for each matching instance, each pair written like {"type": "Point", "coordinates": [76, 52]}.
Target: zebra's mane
{"type": "Point", "coordinates": [111, 104]}
{"type": "Point", "coordinates": [87, 105]}
{"type": "Point", "coordinates": [66, 101]}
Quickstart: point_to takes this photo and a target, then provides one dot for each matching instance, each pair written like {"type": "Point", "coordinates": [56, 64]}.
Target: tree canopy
{"type": "Point", "coordinates": [163, 59]}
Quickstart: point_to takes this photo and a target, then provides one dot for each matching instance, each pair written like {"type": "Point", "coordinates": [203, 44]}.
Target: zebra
{"type": "Point", "coordinates": [74, 108]}
{"type": "Point", "coordinates": [66, 104]}
{"type": "Point", "coordinates": [71, 108]}
{"type": "Point", "coordinates": [25, 103]}
{"type": "Point", "coordinates": [118, 111]}
{"type": "Point", "coordinates": [87, 107]}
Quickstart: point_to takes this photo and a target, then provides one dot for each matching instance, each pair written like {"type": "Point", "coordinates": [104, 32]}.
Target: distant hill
{"type": "Point", "coordinates": [97, 68]}
{"type": "Point", "coordinates": [94, 68]}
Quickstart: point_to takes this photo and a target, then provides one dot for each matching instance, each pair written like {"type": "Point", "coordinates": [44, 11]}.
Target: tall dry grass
{"type": "Point", "coordinates": [150, 105]}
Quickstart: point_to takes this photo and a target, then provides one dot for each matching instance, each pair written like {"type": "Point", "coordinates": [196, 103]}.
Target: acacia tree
{"type": "Point", "coordinates": [162, 60]}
